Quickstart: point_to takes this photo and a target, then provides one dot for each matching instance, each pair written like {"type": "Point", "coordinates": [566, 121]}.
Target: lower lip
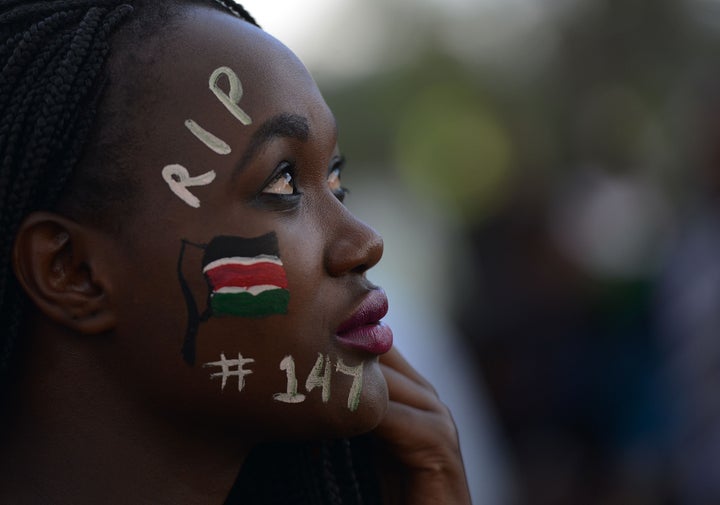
{"type": "Point", "coordinates": [372, 338]}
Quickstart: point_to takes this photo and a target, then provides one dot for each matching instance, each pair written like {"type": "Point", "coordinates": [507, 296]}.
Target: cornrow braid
{"type": "Point", "coordinates": [332, 489]}
{"type": "Point", "coordinates": [327, 472]}
{"type": "Point", "coordinates": [238, 10]}
{"type": "Point", "coordinates": [52, 56]}
{"type": "Point", "coordinates": [347, 476]}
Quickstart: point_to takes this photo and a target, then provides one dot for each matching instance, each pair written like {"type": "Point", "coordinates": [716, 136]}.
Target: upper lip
{"type": "Point", "coordinates": [372, 309]}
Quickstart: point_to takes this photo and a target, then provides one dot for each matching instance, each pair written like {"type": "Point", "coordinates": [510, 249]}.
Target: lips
{"type": "Point", "coordinates": [364, 330]}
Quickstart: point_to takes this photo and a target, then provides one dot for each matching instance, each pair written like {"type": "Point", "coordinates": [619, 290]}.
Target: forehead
{"type": "Point", "coordinates": [170, 80]}
{"type": "Point", "coordinates": [207, 38]}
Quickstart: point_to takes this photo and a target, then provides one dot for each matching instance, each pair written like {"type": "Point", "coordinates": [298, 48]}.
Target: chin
{"type": "Point", "coordinates": [314, 419]}
{"type": "Point", "coordinates": [370, 412]}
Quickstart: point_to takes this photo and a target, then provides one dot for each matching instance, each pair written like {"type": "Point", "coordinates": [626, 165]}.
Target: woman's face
{"type": "Point", "coordinates": [239, 264]}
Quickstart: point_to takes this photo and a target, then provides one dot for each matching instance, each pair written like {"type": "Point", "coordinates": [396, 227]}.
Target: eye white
{"type": "Point", "coordinates": [334, 180]}
{"type": "Point", "coordinates": [281, 185]}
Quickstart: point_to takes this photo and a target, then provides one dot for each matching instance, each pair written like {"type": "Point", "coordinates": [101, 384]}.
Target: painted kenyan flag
{"type": "Point", "coordinates": [245, 278]}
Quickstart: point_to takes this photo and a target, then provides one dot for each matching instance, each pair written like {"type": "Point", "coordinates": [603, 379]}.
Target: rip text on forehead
{"type": "Point", "coordinates": [177, 176]}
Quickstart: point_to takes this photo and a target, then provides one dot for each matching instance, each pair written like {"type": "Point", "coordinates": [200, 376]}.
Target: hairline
{"type": "Point", "coordinates": [135, 47]}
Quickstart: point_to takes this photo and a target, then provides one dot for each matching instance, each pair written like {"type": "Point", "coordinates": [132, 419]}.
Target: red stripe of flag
{"type": "Point", "coordinates": [244, 276]}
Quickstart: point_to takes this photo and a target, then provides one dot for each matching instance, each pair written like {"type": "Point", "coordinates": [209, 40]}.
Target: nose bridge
{"type": "Point", "coordinates": [353, 246]}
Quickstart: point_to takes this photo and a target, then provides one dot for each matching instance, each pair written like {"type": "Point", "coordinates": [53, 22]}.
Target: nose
{"type": "Point", "coordinates": [352, 247]}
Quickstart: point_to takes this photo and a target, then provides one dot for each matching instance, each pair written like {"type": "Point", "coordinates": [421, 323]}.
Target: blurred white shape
{"type": "Point", "coordinates": [612, 225]}
{"type": "Point", "coordinates": [345, 39]}
{"type": "Point", "coordinates": [704, 13]}
{"type": "Point", "coordinates": [334, 38]}
{"type": "Point", "coordinates": [514, 38]}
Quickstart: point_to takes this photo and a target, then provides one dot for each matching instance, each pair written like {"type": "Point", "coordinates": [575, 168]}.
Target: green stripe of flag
{"type": "Point", "coordinates": [267, 303]}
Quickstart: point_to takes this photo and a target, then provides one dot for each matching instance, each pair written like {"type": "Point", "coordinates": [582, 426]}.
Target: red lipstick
{"type": "Point", "coordinates": [364, 331]}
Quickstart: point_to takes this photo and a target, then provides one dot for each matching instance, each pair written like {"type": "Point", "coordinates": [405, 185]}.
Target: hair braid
{"type": "Point", "coordinates": [330, 482]}
{"type": "Point", "coordinates": [21, 108]}
{"type": "Point", "coordinates": [238, 10]}
{"type": "Point", "coordinates": [14, 306]}
{"type": "Point", "coordinates": [348, 477]}
{"type": "Point", "coordinates": [24, 94]}
{"type": "Point", "coordinates": [52, 59]}
{"type": "Point", "coordinates": [72, 140]}
{"type": "Point", "coordinates": [54, 117]}
{"type": "Point", "coordinates": [24, 10]}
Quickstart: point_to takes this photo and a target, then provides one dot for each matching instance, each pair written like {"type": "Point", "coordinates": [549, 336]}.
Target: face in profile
{"type": "Point", "coordinates": [239, 278]}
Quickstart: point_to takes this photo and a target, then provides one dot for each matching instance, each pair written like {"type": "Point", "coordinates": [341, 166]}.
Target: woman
{"type": "Point", "coordinates": [185, 296]}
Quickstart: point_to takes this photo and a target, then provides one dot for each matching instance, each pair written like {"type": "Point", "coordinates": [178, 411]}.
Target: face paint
{"type": "Point", "coordinates": [245, 278]}
{"type": "Point", "coordinates": [232, 99]}
{"type": "Point", "coordinates": [178, 178]}
{"type": "Point", "coordinates": [291, 395]}
{"type": "Point", "coordinates": [315, 378]}
{"type": "Point", "coordinates": [356, 372]}
{"type": "Point", "coordinates": [226, 372]}
{"type": "Point", "coordinates": [320, 376]}
{"type": "Point", "coordinates": [215, 144]}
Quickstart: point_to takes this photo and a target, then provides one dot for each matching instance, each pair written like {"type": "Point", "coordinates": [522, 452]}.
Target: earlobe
{"type": "Point", "coordinates": [55, 260]}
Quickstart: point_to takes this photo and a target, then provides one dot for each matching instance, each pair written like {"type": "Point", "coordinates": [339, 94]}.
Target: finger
{"type": "Point", "coordinates": [421, 450]}
{"type": "Point", "coordinates": [404, 390]}
{"type": "Point", "coordinates": [396, 361]}
{"type": "Point", "coordinates": [400, 421]}
{"type": "Point", "coordinates": [412, 431]}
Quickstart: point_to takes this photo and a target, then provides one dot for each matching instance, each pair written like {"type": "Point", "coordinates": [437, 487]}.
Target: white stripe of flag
{"type": "Point", "coordinates": [242, 260]}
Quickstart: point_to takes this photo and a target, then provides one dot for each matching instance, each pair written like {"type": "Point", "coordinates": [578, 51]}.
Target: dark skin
{"type": "Point", "coordinates": [107, 399]}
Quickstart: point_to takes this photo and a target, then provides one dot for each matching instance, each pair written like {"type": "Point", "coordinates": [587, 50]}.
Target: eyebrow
{"type": "Point", "coordinates": [281, 125]}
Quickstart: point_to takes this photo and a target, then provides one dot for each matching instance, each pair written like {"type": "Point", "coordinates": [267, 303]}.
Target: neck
{"type": "Point", "coordinates": [74, 438]}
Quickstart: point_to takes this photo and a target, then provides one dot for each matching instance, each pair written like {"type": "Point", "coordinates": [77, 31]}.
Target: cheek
{"type": "Point", "coordinates": [291, 396]}
{"type": "Point", "coordinates": [274, 381]}
{"type": "Point", "coordinates": [276, 373]}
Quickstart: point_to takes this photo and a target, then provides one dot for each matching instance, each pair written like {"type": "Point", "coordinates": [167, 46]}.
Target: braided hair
{"type": "Point", "coordinates": [54, 56]}
{"type": "Point", "coordinates": [238, 10]}
{"type": "Point", "coordinates": [328, 472]}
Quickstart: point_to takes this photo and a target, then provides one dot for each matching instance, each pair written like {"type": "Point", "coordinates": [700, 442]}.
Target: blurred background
{"type": "Point", "coordinates": [546, 176]}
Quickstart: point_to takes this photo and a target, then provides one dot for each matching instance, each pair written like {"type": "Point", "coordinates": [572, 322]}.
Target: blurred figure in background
{"type": "Point", "coordinates": [688, 311]}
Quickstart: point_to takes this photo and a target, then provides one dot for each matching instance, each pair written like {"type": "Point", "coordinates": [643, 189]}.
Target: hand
{"type": "Point", "coordinates": [419, 452]}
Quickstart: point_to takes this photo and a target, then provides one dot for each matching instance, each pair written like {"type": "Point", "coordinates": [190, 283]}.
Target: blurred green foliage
{"type": "Point", "coordinates": [615, 90]}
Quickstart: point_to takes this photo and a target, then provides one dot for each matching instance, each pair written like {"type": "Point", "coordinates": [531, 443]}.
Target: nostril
{"type": "Point", "coordinates": [360, 269]}
{"type": "Point", "coordinates": [372, 254]}
{"type": "Point", "coordinates": [356, 252]}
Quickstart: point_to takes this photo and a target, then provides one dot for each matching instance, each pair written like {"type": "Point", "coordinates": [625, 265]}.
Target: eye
{"type": "Point", "coordinates": [334, 182]}
{"type": "Point", "coordinates": [283, 183]}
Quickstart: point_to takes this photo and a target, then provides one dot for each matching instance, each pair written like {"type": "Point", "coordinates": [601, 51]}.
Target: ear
{"type": "Point", "coordinates": [57, 262]}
